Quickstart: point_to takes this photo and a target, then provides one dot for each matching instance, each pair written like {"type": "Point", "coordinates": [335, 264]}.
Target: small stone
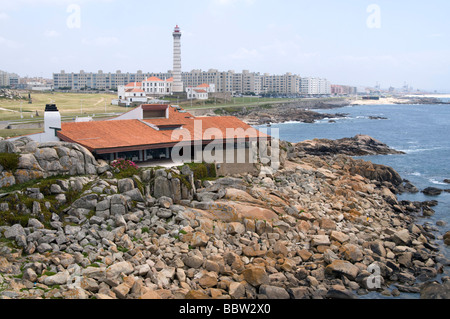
{"type": "Point", "coordinates": [273, 292]}
{"type": "Point", "coordinates": [207, 281]}
{"type": "Point", "coordinates": [339, 236]}
{"type": "Point", "coordinates": [318, 240]}
{"type": "Point", "coordinates": [237, 290]}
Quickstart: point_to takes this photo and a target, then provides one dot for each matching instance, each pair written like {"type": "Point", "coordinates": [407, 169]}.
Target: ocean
{"type": "Point", "coordinates": [421, 131]}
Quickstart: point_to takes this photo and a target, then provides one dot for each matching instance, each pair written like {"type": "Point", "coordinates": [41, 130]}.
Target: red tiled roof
{"type": "Point", "coordinates": [153, 79]}
{"type": "Point", "coordinates": [204, 85]}
{"type": "Point", "coordinates": [133, 84]}
{"type": "Point", "coordinates": [136, 90]}
{"type": "Point", "coordinates": [119, 135]}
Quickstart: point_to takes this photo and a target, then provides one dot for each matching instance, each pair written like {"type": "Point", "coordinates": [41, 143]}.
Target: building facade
{"type": "Point", "coordinates": [315, 86]}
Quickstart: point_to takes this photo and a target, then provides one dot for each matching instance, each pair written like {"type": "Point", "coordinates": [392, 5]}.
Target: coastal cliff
{"type": "Point", "coordinates": [325, 226]}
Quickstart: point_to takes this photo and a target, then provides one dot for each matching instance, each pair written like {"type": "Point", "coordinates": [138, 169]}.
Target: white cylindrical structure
{"type": "Point", "coordinates": [52, 123]}
{"type": "Point", "coordinates": [177, 86]}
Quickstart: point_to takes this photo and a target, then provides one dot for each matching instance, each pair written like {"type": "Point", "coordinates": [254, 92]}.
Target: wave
{"type": "Point", "coordinates": [419, 150]}
{"type": "Point", "coordinates": [416, 174]}
{"type": "Point", "coordinates": [432, 180]}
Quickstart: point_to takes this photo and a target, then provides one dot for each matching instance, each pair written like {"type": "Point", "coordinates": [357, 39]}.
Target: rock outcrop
{"type": "Point", "coordinates": [42, 160]}
{"type": "Point", "coordinates": [360, 145]}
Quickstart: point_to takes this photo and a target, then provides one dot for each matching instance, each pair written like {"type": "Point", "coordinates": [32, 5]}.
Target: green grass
{"type": "Point", "coordinates": [19, 132]}
{"type": "Point", "coordinates": [69, 104]}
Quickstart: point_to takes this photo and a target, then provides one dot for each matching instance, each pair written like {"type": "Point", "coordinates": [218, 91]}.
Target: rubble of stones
{"type": "Point", "coordinates": [9, 94]}
{"type": "Point", "coordinates": [314, 229]}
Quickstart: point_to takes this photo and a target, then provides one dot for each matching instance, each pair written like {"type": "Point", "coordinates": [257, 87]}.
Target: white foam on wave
{"type": "Point", "coordinates": [419, 150]}
{"type": "Point", "coordinates": [432, 180]}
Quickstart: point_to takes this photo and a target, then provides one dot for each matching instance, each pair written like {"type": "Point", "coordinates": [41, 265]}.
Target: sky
{"type": "Point", "coordinates": [349, 42]}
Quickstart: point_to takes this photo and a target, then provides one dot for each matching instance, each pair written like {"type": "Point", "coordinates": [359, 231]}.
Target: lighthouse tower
{"type": "Point", "coordinates": [177, 86]}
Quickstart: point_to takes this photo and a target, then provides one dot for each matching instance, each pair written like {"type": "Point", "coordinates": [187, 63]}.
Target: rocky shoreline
{"type": "Point", "coordinates": [324, 226]}
{"type": "Point", "coordinates": [281, 113]}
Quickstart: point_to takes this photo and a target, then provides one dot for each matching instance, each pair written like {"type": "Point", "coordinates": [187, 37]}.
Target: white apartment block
{"type": "Point", "coordinates": [8, 79]}
{"type": "Point", "coordinates": [315, 86]}
{"type": "Point", "coordinates": [230, 81]}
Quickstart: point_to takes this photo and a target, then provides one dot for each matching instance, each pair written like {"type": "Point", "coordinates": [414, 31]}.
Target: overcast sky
{"type": "Point", "coordinates": [355, 42]}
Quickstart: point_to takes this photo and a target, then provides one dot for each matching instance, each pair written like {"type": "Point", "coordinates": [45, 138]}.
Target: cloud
{"type": "Point", "coordinates": [10, 44]}
{"type": "Point", "coordinates": [18, 4]}
{"type": "Point", "coordinates": [51, 34]}
{"type": "Point", "coordinates": [3, 16]}
{"type": "Point", "coordinates": [101, 41]}
{"type": "Point", "coordinates": [233, 2]}
{"type": "Point", "coordinates": [245, 54]}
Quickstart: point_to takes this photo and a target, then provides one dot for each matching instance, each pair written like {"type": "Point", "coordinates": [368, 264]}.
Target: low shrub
{"type": "Point", "coordinates": [124, 168]}
{"type": "Point", "coordinates": [9, 161]}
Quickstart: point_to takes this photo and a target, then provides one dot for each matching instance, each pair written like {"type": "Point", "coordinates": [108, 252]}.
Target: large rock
{"type": "Point", "coordinates": [14, 231]}
{"type": "Point", "coordinates": [125, 185]}
{"type": "Point", "coordinates": [256, 276]}
{"type": "Point", "coordinates": [274, 292]}
{"type": "Point", "coordinates": [435, 290]}
{"type": "Point", "coordinates": [58, 279]}
{"type": "Point", "coordinates": [402, 237]}
{"type": "Point", "coordinates": [8, 147]}
{"type": "Point", "coordinates": [432, 191]}
{"type": "Point", "coordinates": [162, 187]}
{"type": "Point", "coordinates": [342, 267]}
{"type": "Point", "coordinates": [359, 145]}
{"type": "Point", "coordinates": [123, 267]}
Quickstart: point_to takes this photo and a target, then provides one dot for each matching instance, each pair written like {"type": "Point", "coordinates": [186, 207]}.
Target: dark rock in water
{"type": "Point", "coordinates": [435, 290]}
{"type": "Point", "coordinates": [432, 191]}
{"type": "Point", "coordinates": [377, 118]}
{"type": "Point", "coordinates": [408, 289]}
{"type": "Point", "coordinates": [427, 211]}
{"type": "Point", "coordinates": [430, 203]}
{"type": "Point", "coordinates": [447, 238]}
{"type": "Point", "coordinates": [407, 187]}
{"type": "Point", "coordinates": [447, 181]}
{"type": "Point", "coordinates": [339, 294]}
{"type": "Point", "coordinates": [360, 145]}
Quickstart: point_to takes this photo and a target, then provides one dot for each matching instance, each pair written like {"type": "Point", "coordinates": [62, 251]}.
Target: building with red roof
{"type": "Point", "coordinates": [154, 131]}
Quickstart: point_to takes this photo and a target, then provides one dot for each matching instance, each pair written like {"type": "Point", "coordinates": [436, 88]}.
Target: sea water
{"type": "Point", "coordinates": [421, 131]}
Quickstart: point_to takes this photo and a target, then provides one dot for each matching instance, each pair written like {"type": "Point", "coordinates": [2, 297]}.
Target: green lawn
{"type": "Point", "coordinates": [69, 104]}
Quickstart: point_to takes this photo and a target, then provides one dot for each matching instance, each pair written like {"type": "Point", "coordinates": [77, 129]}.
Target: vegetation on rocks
{"type": "Point", "coordinates": [9, 161]}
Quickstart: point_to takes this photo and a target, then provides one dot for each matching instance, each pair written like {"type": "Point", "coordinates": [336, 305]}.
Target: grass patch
{"type": "Point", "coordinates": [18, 132]}
{"type": "Point", "coordinates": [9, 161]}
{"type": "Point", "coordinates": [203, 171]}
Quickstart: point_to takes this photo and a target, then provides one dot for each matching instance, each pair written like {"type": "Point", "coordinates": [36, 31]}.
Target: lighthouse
{"type": "Point", "coordinates": [177, 86]}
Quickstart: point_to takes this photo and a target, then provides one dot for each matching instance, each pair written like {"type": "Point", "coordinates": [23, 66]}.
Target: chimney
{"type": "Point", "coordinates": [52, 123]}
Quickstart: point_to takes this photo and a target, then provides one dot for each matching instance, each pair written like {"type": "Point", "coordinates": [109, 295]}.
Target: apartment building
{"type": "Point", "coordinates": [244, 82]}
{"type": "Point", "coordinates": [9, 79]}
{"type": "Point", "coordinates": [315, 86]}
